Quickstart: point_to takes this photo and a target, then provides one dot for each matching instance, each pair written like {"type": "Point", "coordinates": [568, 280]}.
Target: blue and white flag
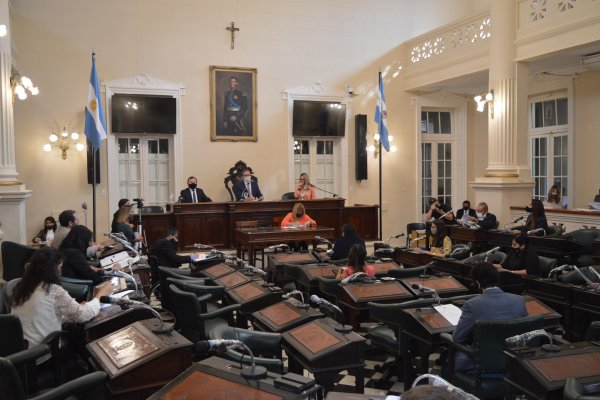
{"type": "Point", "coordinates": [95, 127]}
{"type": "Point", "coordinates": [381, 116]}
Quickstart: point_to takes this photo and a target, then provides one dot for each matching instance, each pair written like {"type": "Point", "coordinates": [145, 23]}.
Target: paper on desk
{"type": "Point", "coordinates": [450, 312]}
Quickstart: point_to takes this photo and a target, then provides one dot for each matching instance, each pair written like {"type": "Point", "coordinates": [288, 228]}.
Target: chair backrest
{"type": "Point", "coordinates": [584, 237]}
{"type": "Point", "coordinates": [575, 390]}
{"type": "Point", "coordinates": [234, 176]}
{"type": "Point", "coordinates": [288, 196]}
{"type": "Point", "coordinates": [460, 251]}
{"type": "Point", "coordinates": [330, 287]}
{"type": "Point", "coordinates": [489, 336]}
{"type": "Point", "coordinates": [413, 226]}
{"type": "Point", "coordinates": [7, 292]}
{"type": "Point", "coordinates": [407, 272]}
{"type": "Point", "coordinates": [496, 258]}
{"type": "Point", "coordinates": [277, 220]}
{"type": "Point", "coordinates": [14, 258]}
{"type": "Point", "coordinates": [575, 278]}
{"type": "Point", "coordinates": [10, 381]}
{"type": "Point", "coordinates": [292, 271]}
{"type": "Point", "coordinates": [593, 332]}
{"type": "Point", "coordinates": [198, 288]}
{"type": "Point", "coordinates": [554, 230]}
{"type": "Point", "coordinates": [164, 273]}
{"type": "Point", "coordinates": [188, 310]}
{"type": "Point", "coordinates": [11, 335]}
{"type": "Point", "coordinates": [246, 224]}
{"type": "Point", "coordinates": [152, 209]}
{"type": "Point", "coordinates": [546, 265]}
{"type": "Point", "coordinates": [79, 289]}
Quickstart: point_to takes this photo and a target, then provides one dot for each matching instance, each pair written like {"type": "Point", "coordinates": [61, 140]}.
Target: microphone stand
{"type": "Point", "coordinates": [325, 191]}
{"type": "Point", "coordinates": [160, 330]}
{"type": "Point", "coordinates": [253, 371]}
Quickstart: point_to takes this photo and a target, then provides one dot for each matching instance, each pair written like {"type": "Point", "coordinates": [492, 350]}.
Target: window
{"type": "Point", "coordinates": [549, 146]}
{"type": "Point", "coordinates": [145, 168]}
{"type": "Point", "coordinates": [437, 157]}
{"type": "Point", "coordinates": [317, 157]}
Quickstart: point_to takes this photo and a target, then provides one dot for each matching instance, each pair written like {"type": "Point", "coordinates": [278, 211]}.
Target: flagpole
{"type": "Point", "coordinates": [380, 193]}
{"type": "Point", "coordinates": [94, 193]}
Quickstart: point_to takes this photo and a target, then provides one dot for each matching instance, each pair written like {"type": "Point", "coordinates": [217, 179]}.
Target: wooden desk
{"type": "Point", "coordinates": [557, 295]}
{"type": "Point", "coordinates": [585, 309]}
{"type": "Point", "coordinates": [355, 296]}
{"type": "Point", "coordinates": [320, 349]}
{"type": "Point", "coordinates": [113, 318]}
{"type": "Point", "coordinates": [445, 286]}
{"type": "Point", "coordinates": [596, 251]}
{"type": "Point", "coordinates": [478, 237]}
{"type": "Point", "coordinates": [283, 316]}
{"type": "Point", "coordinates": [554, 247]}
{"type": "Point", "coordinates": [309, 279]}
{"type": "Point", "coordinates": [217, 271]}
{"type": "Point", "coordinates": [235, 279]}
{"type": "Point", "coordinates": [261, 237]}
{"type": "Point", "coordinates": [542, 375]}
{"type": "Point", "coordinates": [253, 296]}
{"type": "Point", "coordinates": [214, 223]}
{"type": "Point", "coordinates": [507, 281]}
{"type": "Point", "coordinates": [409, 258]}
{"type": "Point", "coordinates": [139, 362]}
{"type": "Point", "coordinates": [276, 260]}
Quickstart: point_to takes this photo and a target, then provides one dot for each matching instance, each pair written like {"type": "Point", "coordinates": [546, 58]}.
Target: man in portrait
{"type": "Point", "coordinates": [234, 108]}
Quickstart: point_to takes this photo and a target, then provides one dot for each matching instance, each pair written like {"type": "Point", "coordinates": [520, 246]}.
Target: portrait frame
{"type": "Point", "coordinates": [233, 116]}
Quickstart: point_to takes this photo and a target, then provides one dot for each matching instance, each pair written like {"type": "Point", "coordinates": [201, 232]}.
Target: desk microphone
{"type": "Point", "coordinates": [125, 304]}
{"type": "Point", "coordinates": [120, 302]}
{"type": "Point", "coordinates": [565, 267]}
{"type": "Point", "coordinates": [292, 293]}
{"type": "Point", "coordinates": [491, 251]}
{"type": "Point", "coordinates": [427, 290]}
{"type": "Point", "coordinates": [522, 217]}
{"type": "Point", "coordinates": [218, 345]}
{"type": "Point", "coordinates": [355, 276]}
{"type": "Point", "coordinates": [424, 274]}
{"type": "Point", "coordinates": [524, 338]}
{"type": "Point", "coordinates": [249, 372]}
{"type": "Point", "coordinates": [323, 240]}
{"type": "Point", "coordinates": [278, 246]}
{"type": "Point", "coordinates": [437, 381]}
{"type": "Point", "coordinates": [444, 214]}
{"type": "Point", "coordinates": [319, 301]}
{"type": "Point", "coordinates": [534, 231]}
{"type": "Point", "coordinates": [255, 270]}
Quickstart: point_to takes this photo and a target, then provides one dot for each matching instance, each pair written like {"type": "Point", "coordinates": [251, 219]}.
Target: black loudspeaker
{"type": "Point", "coordinates": [361, 146]}
{"type": "Point", "coordinates": [90, 164]}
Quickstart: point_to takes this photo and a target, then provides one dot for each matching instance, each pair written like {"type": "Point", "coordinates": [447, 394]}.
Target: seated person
{"type": "Point", "coordinates": [67, 219]}
{"type": "Point", "coordinates": [356, 263]}
{"type": "Point", "coordinates": [341, 247]}
{"type": "Point", "coordinates": [74, 249]}
{"type": "Point", "coordinates": [122, 202]}
{"type": "Point", "coordinates": [42, 304]}
{"type": "Point", "coordinates": [298, 217]}
{"type": "Point", "coordinates": [123, 226]}
{"type": "Point", "coordinates": [466, 211]}
{"type": "Point", "coordinates": [246, 189]}
{"type": "Point", "coordinates": [484, 219]}
{"type": "Point", "coordinates": [535, 220]}
{"type": "Point", "coordinates": [493, 304]}
{"type": "Point", "coordinates": [47, 233]}
{"type": "Point", "coordinates": [304, 190]}
{"type": "Point", "coordinates": [165, 250]}
{"type": "Point", "coordinates": [440, 243]}
{"type": "Point", "coordinates": [193, 194]}
{"type": "Point", "coordinates": [438, 210]}
{"type": "Point", "coordinates": [522, 259]}
{"type": "Point", "coordinates": [554, 201]}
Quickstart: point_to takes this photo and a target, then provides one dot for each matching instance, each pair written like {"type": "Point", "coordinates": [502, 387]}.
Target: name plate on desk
{"type": "Point", "coordinates": [232, 280]}
{"type": "Point", "coordinates": [127, 346]}
{"type": "Point", "coordinates": [216, 271]}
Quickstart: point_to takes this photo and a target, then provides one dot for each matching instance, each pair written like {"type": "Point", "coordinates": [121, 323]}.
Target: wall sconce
{"type": "Point", "coordinates": [19, 83]}
{"type": "Point", "coordinates": [375, 147]}
{"type": "Point", "coordinates": [64, 141]}
{"type": "Point", "coordinates": [482, 99]}
{"type": "Point", "coordinates": [3, 30]}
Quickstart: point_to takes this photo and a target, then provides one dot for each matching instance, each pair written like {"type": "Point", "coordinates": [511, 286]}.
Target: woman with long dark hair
{"type": "Point", "coordinates": [535, 220]}
{"type": "Point", "coordinates": [42, 304]}
{"type": "Point", "coordinates": [47, 232]}
{"type": "Point", "coordinates": [439, 242]}
{"type": "Point", "coordinates": [356, 263]}
{"type": "Point", "coordinates": [74, 249]}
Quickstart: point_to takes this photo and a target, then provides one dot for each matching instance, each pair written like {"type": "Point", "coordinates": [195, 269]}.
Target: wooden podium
{"type": "Point", "coordinates": [445, 286]}
{"type": "Point", "coordinates": [217, 271]}
{"type": "Point", "coordinates": [138, 361]}
{"type": "Point", "coordinates": [234, 279]}
{"type": "Point", "coordinates": [320, 349]}
{"type": "Point", "coordinates": [409, 258]}
{"type": "Point", "coordinates": [283, 316]}
{"type": "Point", "coordinates": [309, 278]}
{"type": "Point", "coordinates": [219, 379]}
{"type": "Point", "coordinates": [253, 296]}
{"type": "Point", "coordinates": [551, 319]}
{"type": "Point", "coordinates": [276, 260]}
{"type": "Point", "coordinates": [113, 318]}
{"type": "Point", "coordinates": [541, 375]}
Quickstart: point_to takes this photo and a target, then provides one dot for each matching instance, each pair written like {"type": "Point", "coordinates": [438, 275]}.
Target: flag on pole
{"type": "Point", "coordinates": [381, 116]}
{"type": "Point", "coordinates": [95, 128]}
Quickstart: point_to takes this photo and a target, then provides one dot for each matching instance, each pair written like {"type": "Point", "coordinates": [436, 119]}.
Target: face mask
{"type": "Point", "coordinates": [479, 215]}
{"type": "Point", "coordinates": [173, 241]}
{"type": "Point", "coordinates": [192, 186]}
{"type": "Point", "coordinates": [299, 214]}
{"type": "Point", "coordinates": [248, 179]}
{"type": "Point", "coordinates": [465, 208]}
{"type": "Point", "coordinates": [528, 209]}
{"type": "Point", "coordinates": [555, 195]}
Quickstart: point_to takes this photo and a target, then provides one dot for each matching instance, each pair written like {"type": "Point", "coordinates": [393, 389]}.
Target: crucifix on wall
{"type": "Point", "coordinates": [232, 29]}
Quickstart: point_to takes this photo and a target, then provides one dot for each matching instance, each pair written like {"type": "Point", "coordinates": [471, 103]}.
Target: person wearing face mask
{"type": "Point", "coordinates": [304, 189]}
{"type": "Point", "coordinates": [553, 200]}
{"type": "Point", "coordinates": [165, 250]}
{"type": "Point", "coordinates": [440, 242]}
{"type": "Point", "coordinates": [466, 211]}
{"type": "Point", "coordinates": [247, 189]}
{"type": "Point", "coordinates": [535, 220]}
{"type": "Point", "coordinates": [492, 304]}
{"type": "Point", "coordinates": [74, 248]}
{"type": "Point", "coordinates": [47, 233]}
{"type": "Point", "coordinates": [522, 259]}
{"type": "Point", "coordinates": [193, 194]}
{"type": "Point", "coordinates": [483, 218]}
{"type": "Point", "coordinates": [438, 210]}
{"type": "Point", "coordinates": [298, 217]}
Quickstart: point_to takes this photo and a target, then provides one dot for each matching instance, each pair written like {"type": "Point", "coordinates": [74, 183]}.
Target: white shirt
{"type": "Point", "coordinates": [44, 313]}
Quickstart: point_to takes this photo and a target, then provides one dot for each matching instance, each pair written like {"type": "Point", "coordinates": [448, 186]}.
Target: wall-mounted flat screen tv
{"type": "Point", "coordinates": [134, 113]}
{"type": "Point", "coordinates": [318, 118]}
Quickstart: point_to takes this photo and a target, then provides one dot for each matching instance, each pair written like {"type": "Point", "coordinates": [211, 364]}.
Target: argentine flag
{"type": "Point", "coordinates": [95, 128]}
{"type": "Point", "coordinates": [381, 116]}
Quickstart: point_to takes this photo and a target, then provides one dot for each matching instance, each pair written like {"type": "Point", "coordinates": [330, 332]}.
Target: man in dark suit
{"type": "Point", "coordinates": [247, 189]}
{"type": "Point", "coordinates": [484, 219]}
{"type": "Point", "coordinates": [165, 250]}
{"type": "Point", "coordinates": [193, 194]}
{"type": "Point", "coordinates": [466, 211]}
{"type": "Point", "coordinates": [493, 304]}
{"type": "Point", "coordinates": [342, 245]}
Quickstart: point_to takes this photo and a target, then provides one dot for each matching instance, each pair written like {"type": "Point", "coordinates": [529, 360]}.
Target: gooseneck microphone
{"type": "Point", "coordinates": [294, 292]}
{"type": "Point", "coordinates": [125, 304]}
{"type": "Point", "coordinates": [534, 231]}
{"type": "Point", "coordinates": [437, 381]}
{"type": "Point", "coordinates": [427, 290]}
{"type": "Point", "coordinates": [522, 217]}
{"type": "Point", "coordinates": [342, 328]}
{"type": "Point", "coordinates": [564, 267]}
{"type": "Point", "coordinates": [217, 345]}
{"type": "Point", "coordinates": [323, 240]}
{"type": "Point", "coordinates": [221, 345]}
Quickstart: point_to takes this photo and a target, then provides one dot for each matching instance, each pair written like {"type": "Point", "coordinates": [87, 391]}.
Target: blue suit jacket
{"type": "Point", "coordinates": [493, 304]}
{"type": "Point", "coordinates": [240, 187]}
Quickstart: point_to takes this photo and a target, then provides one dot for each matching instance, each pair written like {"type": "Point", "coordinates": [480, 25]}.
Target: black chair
{"type": "Point", "coordinates": [293, 272]}
{"type": "Point", "coordinates": [413, 226]}
{"type": "Point", "coordinates": [165, 272]}
{"type": "Point", "coordinates": [546, 265]}
{"type": "Point", "coordinates": [460, 251]}
{"type": "Point", "coordinates": [288, 196]}
{"type": "Point", "coordinates": [330, 288]}
{"type": "Point", "coordinates": [388, 336]}
{"type": "Point", "coordinates": [7, 291]}
{"type": "Point", "coordinates": [487, 352]}
{"type": "Point", "coordinates": [593, 332]}
{"type": "Point", "coordinates": [13, 387]}
{"type": "Point", "coordinates": [14, 258]}
{"type": "Point", "coordinates": [193, 318]}
{"type": "Point", "coordinates": [152, 209]}
{"type": "Point", "coordinates": [554, 230]}
{"type": "Point", "coordinates": [404, 273]}
{"type": "Point", "coordinates": [585, 238]}
{"type": "Point", "coordinates": [496, 258]}
{"type": "Point", "coordinates": [265, 346]}
{"type": "Point", "coordinates": [79, 289]}
{"type": "Point", "coordinates": [575, 390]}
{"type": "Point", "coordinates": [217, 292]}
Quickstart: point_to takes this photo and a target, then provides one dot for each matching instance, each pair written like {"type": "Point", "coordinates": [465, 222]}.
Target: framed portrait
{"type": "Point", "coordinates": [233, 104]}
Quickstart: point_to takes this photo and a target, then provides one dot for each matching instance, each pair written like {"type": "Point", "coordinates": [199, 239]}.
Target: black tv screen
{"type": "Point", "coordinates": [134, 113]}
{"type": "Point", "coordinates": [318, 118]}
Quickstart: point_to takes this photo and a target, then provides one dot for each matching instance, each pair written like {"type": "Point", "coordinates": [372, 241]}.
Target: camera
{"type": "Point", "coordinates": [139, 203]}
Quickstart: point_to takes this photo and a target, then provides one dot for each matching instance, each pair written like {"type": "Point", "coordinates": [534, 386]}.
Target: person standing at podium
{"type": "Point", "coordinates": [193, 194]}
{"type": "Point", "coordinates": [304, 189]}
{"type": "Point", "coordinates": [493, 304]}
{"type": "Point", "coordinates": [247, 189]}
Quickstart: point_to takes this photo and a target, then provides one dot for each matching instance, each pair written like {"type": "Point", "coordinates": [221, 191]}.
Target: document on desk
{"type": "Point", "coordinates": [450, 312]}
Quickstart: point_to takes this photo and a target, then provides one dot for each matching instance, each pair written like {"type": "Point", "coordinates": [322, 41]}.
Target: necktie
{"type": "Point", "coordinates": [194, 198]}
{"type": "Point", "coordinates": [248, 189]}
